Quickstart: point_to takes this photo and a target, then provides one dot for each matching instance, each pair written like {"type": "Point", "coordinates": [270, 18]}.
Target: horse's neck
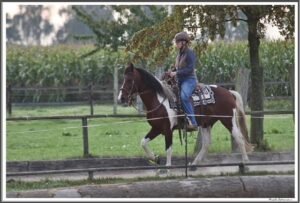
{"type": "Point", "coordinates": [147, 96]}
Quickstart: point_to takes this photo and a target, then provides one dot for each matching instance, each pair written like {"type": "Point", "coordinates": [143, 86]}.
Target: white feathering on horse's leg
{"type": "Point", "coordinates": [206, 140]}
{"type": "Point", "coordinates": [168, 163]}
{"type": "Point", "coordinates": [169, 156]}
{"type": "Point", "coordinates": [144, 144]}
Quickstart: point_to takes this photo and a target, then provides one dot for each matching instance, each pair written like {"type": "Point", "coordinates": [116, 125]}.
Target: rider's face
{"type": "Point", "coordinates": [179, 44]}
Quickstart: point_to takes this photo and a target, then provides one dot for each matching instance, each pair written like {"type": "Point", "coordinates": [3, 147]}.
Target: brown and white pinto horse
{"type": "Point", "coordinates": [228, 108]}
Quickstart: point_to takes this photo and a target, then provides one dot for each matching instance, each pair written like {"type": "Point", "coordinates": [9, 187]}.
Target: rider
{"type": "Point", "coordinates": [185, 66]}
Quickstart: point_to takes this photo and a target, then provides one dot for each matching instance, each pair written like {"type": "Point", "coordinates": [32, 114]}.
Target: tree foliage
{"type": "Point", "coordinates": [117, 30]}
{"type": "Point", "coordinates": [205, 23]}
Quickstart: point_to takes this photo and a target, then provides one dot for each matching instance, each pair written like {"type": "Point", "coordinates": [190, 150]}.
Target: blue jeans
{"type": "Point", "coordinates": [187, 87]}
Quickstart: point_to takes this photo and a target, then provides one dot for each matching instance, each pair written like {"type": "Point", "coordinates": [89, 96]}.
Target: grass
{"type": "Point", "coordinates": [279, 104]}
{"type": "Point", "coordinates": [30, 111]}
{"type": "Point", "coordinates": [115, 137]}
{"type": "Point", "coordinates": [16, 186]}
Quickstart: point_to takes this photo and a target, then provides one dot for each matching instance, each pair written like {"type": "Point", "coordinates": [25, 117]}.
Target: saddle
{"type": "Point", "coordinates": [202, 95]}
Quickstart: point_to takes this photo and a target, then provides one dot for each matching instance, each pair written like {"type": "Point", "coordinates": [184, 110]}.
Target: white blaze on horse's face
{"type": "Point", "coordinates": [126, 89]}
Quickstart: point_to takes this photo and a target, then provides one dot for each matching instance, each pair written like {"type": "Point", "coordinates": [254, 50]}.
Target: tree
{"type": "Point", "coordinates": [112, 32]}
{"type": "Point", "coordinates": [116, 31]}
{"type": "Point", "coordinates": [210, 22]}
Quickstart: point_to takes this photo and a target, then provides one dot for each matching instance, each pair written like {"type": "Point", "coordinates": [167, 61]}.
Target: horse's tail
{"type": "Point", "coordinates": [241, 120]}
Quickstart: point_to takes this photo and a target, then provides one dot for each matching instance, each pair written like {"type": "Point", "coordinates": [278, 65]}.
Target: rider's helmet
{"type": "Point", "coordinates": [182, 36]}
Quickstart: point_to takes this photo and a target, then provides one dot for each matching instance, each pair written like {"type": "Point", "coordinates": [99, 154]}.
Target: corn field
{"type": "Point", "coordinates": [61, 65]}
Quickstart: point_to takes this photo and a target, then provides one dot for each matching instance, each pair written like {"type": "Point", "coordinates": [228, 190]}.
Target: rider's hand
{"type": "Point", "coordinates": [172, 74]}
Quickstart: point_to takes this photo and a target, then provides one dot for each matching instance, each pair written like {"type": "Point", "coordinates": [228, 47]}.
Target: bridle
{"type": "Point", "coordinates": [130, 93]}
{"type": "Point", "coordinates": [131, 96]}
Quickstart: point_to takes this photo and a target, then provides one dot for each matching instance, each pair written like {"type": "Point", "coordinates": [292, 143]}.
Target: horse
{"type": "Point", "coordinates": [228, 109]}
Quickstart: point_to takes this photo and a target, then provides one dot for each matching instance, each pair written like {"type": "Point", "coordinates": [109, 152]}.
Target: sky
{"type": "Point", "coordinates": [272, 33]}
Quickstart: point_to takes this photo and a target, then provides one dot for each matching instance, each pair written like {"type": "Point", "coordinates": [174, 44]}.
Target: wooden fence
{"type": "Point", "coordinates": [91, 94]}
{"type": "Point", "coordinates": [85, 118]}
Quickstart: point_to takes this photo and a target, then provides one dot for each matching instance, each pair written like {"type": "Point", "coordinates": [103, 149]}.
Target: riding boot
{"type": "Point", "coordinates": [190, 127]}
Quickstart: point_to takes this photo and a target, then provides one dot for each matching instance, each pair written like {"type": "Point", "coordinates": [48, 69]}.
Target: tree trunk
{"type": "Point", "coordinates": [257, 87]}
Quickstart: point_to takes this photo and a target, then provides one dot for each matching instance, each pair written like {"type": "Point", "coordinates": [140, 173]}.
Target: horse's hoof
{"type": "Point", "coordinates": [151, 162]}
{"type": "Point", "coordinates": [163, 171]}
{"type": "Point", "coordinates": [192, 167]}
{"type": "Point", "coordinates": [243, 168]}
{"type": "Point", "coordinates": [157, 159]}
{"type": "Point", "coordinates": [246, 169]}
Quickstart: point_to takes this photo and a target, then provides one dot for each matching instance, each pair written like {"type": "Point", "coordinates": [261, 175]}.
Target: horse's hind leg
{"type": "Point", "coordinates": [233, 127]}
{"type": "Point", "coordinates": [144, 143]}
{"type": "Point", "coordinates": [206, 140]}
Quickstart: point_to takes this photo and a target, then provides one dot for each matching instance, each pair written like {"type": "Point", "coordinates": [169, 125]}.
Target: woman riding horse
{"type": "Point", "coordinates": [187, 81]}
{"type": "Point", "coordinates": [228, 106]}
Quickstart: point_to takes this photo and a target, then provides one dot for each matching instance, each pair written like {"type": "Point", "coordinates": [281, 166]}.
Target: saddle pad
{"type": "Point", "coordinates": [202, 96]}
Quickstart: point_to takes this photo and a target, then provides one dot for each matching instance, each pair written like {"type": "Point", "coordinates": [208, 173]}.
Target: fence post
{"type": "Point", "coordinates": [85, 137]}
{"type": "Point", "coordinates": [241, 86]}
{"type": "Point", "coordinates": [8, 99]}
{"type": "Point", "coordinates": [91, 98]}
{"type": "Point", "coordinates": [115, 89]}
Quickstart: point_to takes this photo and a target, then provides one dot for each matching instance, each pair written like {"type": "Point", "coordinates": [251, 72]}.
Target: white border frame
{"type": "Point", "coordinates": [3, 107]}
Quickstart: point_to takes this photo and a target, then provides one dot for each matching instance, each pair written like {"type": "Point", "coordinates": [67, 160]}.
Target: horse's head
{"type": "Point", "coordinates": [129, 87]}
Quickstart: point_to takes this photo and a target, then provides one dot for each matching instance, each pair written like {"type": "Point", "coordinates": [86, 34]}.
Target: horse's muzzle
{"type": "Point", "coordinates": [122, 101]}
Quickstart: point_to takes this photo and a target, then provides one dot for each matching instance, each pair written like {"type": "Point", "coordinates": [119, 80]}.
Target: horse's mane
{"type": "Point", "coordinates": [150, 81]}
{"type": "Point", "coordinates": [154, 83]}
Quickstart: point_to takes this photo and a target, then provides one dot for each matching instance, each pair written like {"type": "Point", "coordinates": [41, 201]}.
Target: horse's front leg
{"type": "Point", "coordinates": [169, 150]}
{"type": "Point", "coordinates": [144, 143]}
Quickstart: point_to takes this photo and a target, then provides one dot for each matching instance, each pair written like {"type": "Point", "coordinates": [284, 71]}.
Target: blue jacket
{"type": "Point", "coordinates": [185, 64]}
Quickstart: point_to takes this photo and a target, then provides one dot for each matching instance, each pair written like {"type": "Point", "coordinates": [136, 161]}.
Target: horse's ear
{"type": "Point", "coordinates": [130, 67]}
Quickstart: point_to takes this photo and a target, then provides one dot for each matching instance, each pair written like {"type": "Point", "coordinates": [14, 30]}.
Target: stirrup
{"type": "Point", "coordinates": [192, 127]}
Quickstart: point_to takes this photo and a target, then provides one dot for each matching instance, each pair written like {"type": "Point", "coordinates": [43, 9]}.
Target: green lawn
{"type": "Point", "coordinates": [18, 111]}
{"type": "Point", "coordinates": [114, 137]}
